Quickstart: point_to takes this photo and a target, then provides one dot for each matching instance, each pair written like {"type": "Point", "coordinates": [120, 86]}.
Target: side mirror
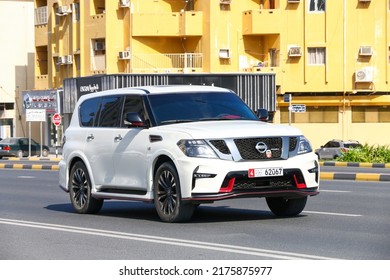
{"type": "Point", "coordinates": [262, 114]}
{"type": "Point", "coordinates": [133, 119]}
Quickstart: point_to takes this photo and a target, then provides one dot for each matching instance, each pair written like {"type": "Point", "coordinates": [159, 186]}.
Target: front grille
{"type": "Point", "coordinates": [221, 146]}
{"type": "Point", "coordinates": [248, 151]}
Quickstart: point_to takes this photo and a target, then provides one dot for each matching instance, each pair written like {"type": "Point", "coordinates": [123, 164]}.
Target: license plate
{"type": "Point", "coordinates": [265, 172]}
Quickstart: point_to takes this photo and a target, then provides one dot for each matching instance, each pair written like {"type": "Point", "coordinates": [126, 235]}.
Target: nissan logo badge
{"type": "Point", "coordinates": [261, 147]}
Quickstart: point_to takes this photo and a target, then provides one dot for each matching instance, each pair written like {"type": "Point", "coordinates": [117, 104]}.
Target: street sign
{"type": "Point", "coordinates": [298, 108]}
{"type": "Point", "coordinates": [35, 115]}
{"type": "Point", "coordinates": [56, 118]}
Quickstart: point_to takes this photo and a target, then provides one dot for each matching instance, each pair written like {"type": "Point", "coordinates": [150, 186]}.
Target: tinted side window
{"type": "Point", "coordinates": [88, 111]}
{"type": "Point", "coordinates": [110, 110]}
{"type": "Point", "coordinates": [328, 145]}
{"type": "Point", "coordinates": [133, 104]}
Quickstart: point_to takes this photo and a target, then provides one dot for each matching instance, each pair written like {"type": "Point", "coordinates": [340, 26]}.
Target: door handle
{"type": "Point", "coordinates": [118, 138]}
{"type": "Point", "coordinates": [90, 137]}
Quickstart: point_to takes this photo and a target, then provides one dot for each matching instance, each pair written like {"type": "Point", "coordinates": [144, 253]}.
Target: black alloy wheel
{"type": "Point", "coordinates": [80, 191]}
{"type": "Point", "coordinates": [167, 196]}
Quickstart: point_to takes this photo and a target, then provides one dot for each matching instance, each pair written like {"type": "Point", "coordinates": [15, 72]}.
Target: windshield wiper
{"type": "Point", "coordinates": [175, 121]}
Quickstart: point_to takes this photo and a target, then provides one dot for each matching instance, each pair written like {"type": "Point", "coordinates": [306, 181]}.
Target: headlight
{"type": "Point", "coordinates": [196, 148]}
{"type": "Point", "coordinates": [304, 145]}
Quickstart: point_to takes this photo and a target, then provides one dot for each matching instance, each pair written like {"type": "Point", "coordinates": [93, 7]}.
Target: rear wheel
{"type": "Point", "coordinates": [45, 153]}
{"type": "Point", "coordinates": [167, 196]}
{"type": "Point", "coordinates": [80, 191]}
{"type": "Point", "coordinates": [285, 206]}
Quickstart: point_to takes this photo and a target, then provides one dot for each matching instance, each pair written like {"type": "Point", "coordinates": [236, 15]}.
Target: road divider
{"type": "Point", "coordinates": [355, 176]}
{"type": "Point", "coordinates": [29, 166]}
{"type": "Point", "coordinates": [355, 164]}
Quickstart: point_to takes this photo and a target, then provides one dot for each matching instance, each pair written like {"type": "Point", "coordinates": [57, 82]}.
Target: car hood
{"type": "Point", "coordinates": [231, 129]}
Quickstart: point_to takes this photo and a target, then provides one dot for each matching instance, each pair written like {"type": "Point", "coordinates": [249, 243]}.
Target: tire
{"type": "Point", "coordinates": [167, 196]}
{"type": "Point", "coordinates": [45, 153]}
{"type": "Point", "coordinates": [80, 191]}
{"type": "Point", "coordinates": [19, 154]}
{"type": "Point", "coordinates": [286, 207]}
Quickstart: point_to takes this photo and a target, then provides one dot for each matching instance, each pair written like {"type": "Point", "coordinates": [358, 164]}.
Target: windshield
{"type": "Point", "coordinates": [199, 106]}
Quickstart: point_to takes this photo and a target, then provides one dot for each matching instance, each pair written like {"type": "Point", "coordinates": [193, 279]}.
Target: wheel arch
{"type": "Point", "coordinates": [72, 162]}
{"type": "Point", "coordinates": [159, 161]}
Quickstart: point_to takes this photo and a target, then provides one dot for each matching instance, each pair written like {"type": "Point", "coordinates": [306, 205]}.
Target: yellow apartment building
{"type": "Point", "coordinates": [332, 56]}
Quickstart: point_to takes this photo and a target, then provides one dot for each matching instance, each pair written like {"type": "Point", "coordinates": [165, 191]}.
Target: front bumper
{"type": "Point", "coordinates": [218, 180]}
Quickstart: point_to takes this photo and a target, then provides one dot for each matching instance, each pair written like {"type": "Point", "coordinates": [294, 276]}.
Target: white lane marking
{"type": "Point", "coordinates": [334, 191]}
{"type": "Point", "coordinates": [333, 214]}
{"type": "Point", "coordinates": [170, 241]}
{"type": "Point", "coordinates": [26, 177]}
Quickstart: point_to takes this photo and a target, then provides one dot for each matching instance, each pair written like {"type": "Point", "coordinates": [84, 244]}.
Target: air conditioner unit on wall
{"type": "Point", "coordinates": [365, 51]}
{"type": "Point", "coordinates": [124, 3]}
{"type": "Point", "coordinates": [69, 59]}
{"type": "Point", "coordinates": [224, 53]}
{"type": "Point", "coordinates": [225, 2]}
{"type": "Point", "coordinates": [364, 75]}
{"type": "Point", "coordinates": [124, 55]}
{"type": "Point", "coordinates": [63, 10]}
{"type": "Point", "coordinates": [294, 1]}
{"type": "Point", "coordinates": [294, 51]}
{"type": "Point", "coordinates": [364, 0]}
{"type": "Point", "coordinates": [99, 46]}
{"type": "Point", "coordinates": [61, 60]}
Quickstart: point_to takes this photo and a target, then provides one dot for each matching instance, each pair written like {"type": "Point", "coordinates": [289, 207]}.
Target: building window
{"type": "Point", "coordinates": [316, 56]}
{"type": "Point", "coordinates": [313, 114]}
{"type": "Point", "coordinates": [317, 5]}
{"type": "Point", "coordinates": [41, 15]}
{"type": "Point", "coordinates": [372, 114]}
{"type": "Point", "coordinates": [76, 11]}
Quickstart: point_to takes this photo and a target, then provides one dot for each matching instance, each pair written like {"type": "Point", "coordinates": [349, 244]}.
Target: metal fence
{"type": "Point", "coordinates": [169, 62]}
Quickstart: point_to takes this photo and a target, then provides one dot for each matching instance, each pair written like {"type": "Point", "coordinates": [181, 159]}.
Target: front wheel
{"type": "Point", "coordinates": [285, 206]}
{"type": "Point", "coordinates": [167, 196]}
{"type": "Point", "coordinates": [80, 191]}
{"type": "Point", "coordinates": [19, 154]}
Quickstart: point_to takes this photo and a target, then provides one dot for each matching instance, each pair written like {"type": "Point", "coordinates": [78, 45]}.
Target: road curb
{"type": "Point", "coordinates": [355, 164]}
{"type": "Point", "coordinates": [355, 176]}
{"type": "Point", "coordinates": [29, 166]}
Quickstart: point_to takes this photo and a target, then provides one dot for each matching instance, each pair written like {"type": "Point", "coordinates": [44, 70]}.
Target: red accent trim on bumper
{"type": "Point", "coordinates": [299, 185]}
{"type": "Point", "coordinates": [229, 187]}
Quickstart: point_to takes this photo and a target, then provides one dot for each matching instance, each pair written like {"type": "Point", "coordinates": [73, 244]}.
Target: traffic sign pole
{"type": "Point", "coordinates": [57, 122]}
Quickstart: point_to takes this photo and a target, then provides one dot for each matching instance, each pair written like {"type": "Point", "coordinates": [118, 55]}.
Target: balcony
{"type": "Point", "coordinates": [167, 63]}
{"type": "Point", "coordinates": [265, 21]}
{"type": "Point", "coordinates": [41, 35]}
{"type": "Point", "coordinates": [41, 82]}
{"type": "Point", "coordinates": [191, 23]}
{"type": "Point", "coordinates": [187, 23]}
{"type": "Point", "coordinates": [41, 27]}
{"type": "Point", "coordinates": [98, 25]}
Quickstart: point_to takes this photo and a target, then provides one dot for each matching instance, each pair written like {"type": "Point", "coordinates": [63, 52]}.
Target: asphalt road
{"type": "Point", "coordinates": [348, 220]}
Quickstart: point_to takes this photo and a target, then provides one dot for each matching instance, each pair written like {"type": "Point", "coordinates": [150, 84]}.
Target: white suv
{"type": "Point", "coordinates": [181, 146]}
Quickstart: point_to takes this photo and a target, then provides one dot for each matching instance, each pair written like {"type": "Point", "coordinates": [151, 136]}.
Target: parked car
{"type": "Point", "coordinates": [335, 148]}
{"type": "Point", "coordinates": [19, 147]}
{"type": "Point", "coordinates": [179, 147]}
